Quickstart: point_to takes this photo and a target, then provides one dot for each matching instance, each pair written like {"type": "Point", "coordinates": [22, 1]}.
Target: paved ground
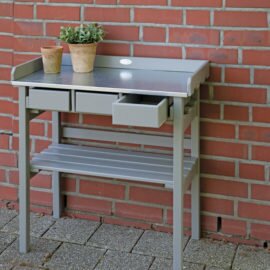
{"type": "Point", "coordinates": [80, 244]}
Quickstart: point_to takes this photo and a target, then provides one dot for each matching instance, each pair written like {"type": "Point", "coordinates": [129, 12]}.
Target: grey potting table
{"type": "Point", "coordinates": [143, 92]}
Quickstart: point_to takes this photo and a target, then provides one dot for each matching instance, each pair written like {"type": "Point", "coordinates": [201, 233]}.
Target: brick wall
{"type": "Point", "coordinates": [235, 124]}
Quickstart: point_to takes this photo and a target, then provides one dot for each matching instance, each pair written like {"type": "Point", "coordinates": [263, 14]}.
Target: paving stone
{"type": "Point", "coordinates": [115, 237]}
{"type": "Point", "coordinates": [162, 264]}
{"type": "Point", "coordinates": [156, 244]}
{"type": "Point", "coordinates": [39, 225]}
{"type": "Point", "coordinates": [6, 215]}
{"type": "Point", "coordinates": [5, 266]}
{"type": "Point", "coordinates": [75, 257]}
{"type": "Point", "coordinates": [5, 240]}
{"type": "Point", "coordinates": [251, 258]}
{"type": "Point", "coordinates": [28, 268]}
{"type": "Point", "coordinates": [41, 250]}
{"type": "Point", "coordinates": [116, 260]}
{"type": "Point", "coordinates": [217, 268]}
{"type": "Point", "coordinates": [76, 231]}
{"type": "Point", "coordinates": [210, 252]}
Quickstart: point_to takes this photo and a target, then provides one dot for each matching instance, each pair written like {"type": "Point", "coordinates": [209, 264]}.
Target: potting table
{"type": "Point", "coordinates": [143, 92]}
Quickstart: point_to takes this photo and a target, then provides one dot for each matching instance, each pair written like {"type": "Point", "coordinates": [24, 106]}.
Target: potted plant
{"type": "Point", "coordinates": [82, 41]}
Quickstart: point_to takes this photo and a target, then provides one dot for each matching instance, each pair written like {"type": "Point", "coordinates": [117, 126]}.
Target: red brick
{"type": "Point", "coordinates": [53, 28]}
{"type": "Point", "coordinates": [72, 1]}
{"type": "Point", "coordinates": [157, 51]}
{"type": "Point", "coordinates": [41, 198]}
{"type": "Point", "coordinates": [8, 193]}
{"type": "Point", "coordinates": [89, 204]}
{"type": "Point", "coordinates": [240, 94]}
{"type": "Point", "coordinates": [8, 91]}
{"type": "Point", "coordinates": [105, 2]}
{"type": "Point", "coordinates": [246, 38]}
{"type": "Point", "coordinates": [8, 159]}
{"type": "Point", "coordinates": [144, 2]}
{"type": "Point", "coordinates": [217, 167]}
{"type": "Point", "coordinates": [36, 128]}
{"type": "Point", "coordinates": [253, 133]}
{"type": "Point", "coordinates": [113, 49]}
{"type": "Point", "coordinates": [154, 34]}
{"type": "Point", "coordinates": [209, 223]}
{"type": "Point", "coordinates": [68, 184]}
{"type": "Point", "coordinates": [197, 3]}
{"type": "Point", "coordinates": [107, 14]}
{"type": "Point", "coordinates": [234, 227]}
{"type": "Point", "coordinates": [58, 13]}
{"type": "Point", "coordinates": [103, 189]}
{"type": "Point", "coordinates": [225, 149]}
{"type": "Point", "coordinates": [209, 110]}
{"type": "Point", "coordinates": [4, 141]}
{"type": "Point", "coordinates": [6, 25]}
{"type": "Point", "coordinates": [261, 153]}
{"type": "Point", "coordinates": [220, 206]}
{"type": "Point", "coordinates": [237, 75]}
{"type": "Point", "coordinates": [187, 218]}
{"type": "Point", "coordinates": [261, 114]}
{"type": "Point", "coordinates": [216, 55]}
{"type": "Point", "coordinates": [256, 57]}
{"type": "Point", "coordinates": [6, 58]}
{"type": "Point", "coordinates": [220, 130]}
{"type": "Point", "coordinates": [6, 9]}
{"type": "Point", "coordinates": [148, 195]}
{"type": "Point", "coordinates": [5, 123]}
{"type": "Point", "coordinates": [260, 231]}
{"type": "Point", "coordinates": [248, 3]}
{"type": "Point", "coordinates": [2, 176]}
{"type": "Point", "coordinates": [198, 17]}
{"type": "Point", "coordinates": [28, 28]}
{"type": "Point", "coordinates": [5, 73]}
{"type": "Point", "coordinates": [129, 33]}
{"type": "Point", "coordinates": [255, 211]}
{"type": "Point", "coordinates": [194, 36]}
{"type": "Point", "coordinates": [6, 42]}
{"type": "Point", "coordinates": [41, 181]}
{"type": "Point", "coordinates": [31, 44]}
{"type": "Point", "coordinates": [6, 107]}
{"type": "Point", "coordinates": [262, 76]}
{"type": "Point", "coordinates": [100, 120]}
{"type": "Point", "coordinates": [162, 16]}
{"type": "Point", "coordinates": [215, 74]}
{"type": "Point", "coordinates": [224, 187]}
{"type": "Point", "coordinates": [141, 212]}
{"type": "Point", "coordinates": [238, 113]}
{"type": "Point", "coordinates": [240, 18]}
{"type": "Point", "coordinates": [41, 145]}
{"type": "Point", "coordinates": [260, 192]}
{"type": "Point", "coordinates": [22, 58]}
{"type": "Point", "coordinates": [23, 11]}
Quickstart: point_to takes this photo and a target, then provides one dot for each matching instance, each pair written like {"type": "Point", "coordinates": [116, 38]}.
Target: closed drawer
{"type": "Point", "coordinates": [141, 111]}
{"type": "Point", "coordinates": [47, 99]}
{"type": "Point", "coordinates": [96, 103]}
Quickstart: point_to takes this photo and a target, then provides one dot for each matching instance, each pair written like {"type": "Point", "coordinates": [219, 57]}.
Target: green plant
{"type": "Point", "coordinates": [83, 34]}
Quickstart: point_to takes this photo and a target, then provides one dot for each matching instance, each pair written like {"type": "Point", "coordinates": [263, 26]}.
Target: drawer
{"type": "Point", "coordinates": [141, 111]}
{"type": "Point", "coordinates": [96, 103]}
{"type": "Point", "coordinates": [48, 99]}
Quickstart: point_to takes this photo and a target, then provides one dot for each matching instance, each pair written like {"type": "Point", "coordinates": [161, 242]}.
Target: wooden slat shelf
{"type": "Point", "coordinates": [112, 163]}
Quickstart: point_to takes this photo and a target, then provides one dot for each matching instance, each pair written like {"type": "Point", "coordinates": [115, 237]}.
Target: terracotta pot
{"type": "Point", "coordinates": [52, 58]}
{"type": "Point", "coordinates": [83, 56]}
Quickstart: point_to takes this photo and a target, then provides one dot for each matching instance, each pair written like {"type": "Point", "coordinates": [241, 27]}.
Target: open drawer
{"type": "Point", "coordinates": [49, 99]}
{"type": "Point", "coordinates": [141, 111]}
{"type": "Point", "coordinates": [96, 103]}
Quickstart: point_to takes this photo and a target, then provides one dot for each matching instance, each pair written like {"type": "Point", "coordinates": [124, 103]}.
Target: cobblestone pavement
{"type": "Point", "coordinates": [77, 244]}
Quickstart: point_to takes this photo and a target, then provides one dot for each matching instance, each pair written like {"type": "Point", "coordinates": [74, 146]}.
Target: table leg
{"type": "Point", "coordinates": [178, 174]}
{"type": "Point", "coordinates": [195, 186]}
{"type": "Point", "coordinates": [56, 185]}
{"type": "Point", "coordinates": [24, 173]}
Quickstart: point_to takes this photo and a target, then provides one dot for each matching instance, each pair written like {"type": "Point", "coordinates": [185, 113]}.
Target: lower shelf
{"type": "Point", "coordinates": [112, 163]}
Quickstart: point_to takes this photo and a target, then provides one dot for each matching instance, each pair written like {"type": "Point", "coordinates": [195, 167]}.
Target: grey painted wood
{"type": "Point", "coordinates": [178, 180]}
{"type": "Point", "coordinates": [153, 80]}
{"type": "Point", "coordinates": [56, 176]}
{"type": "Point", "coordinates": [195, 186]}
{"type": "Point", "coordinates": [96, 103]}
{"type": "Point", "coordinates": [45, 99]}
{"type": "Point", "coordinates": [24, 173]}
{"type": "Point", "coordinates": [140, 111]}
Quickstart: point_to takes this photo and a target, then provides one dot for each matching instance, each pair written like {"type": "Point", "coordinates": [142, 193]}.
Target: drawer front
{"type": "Point", "coordinates": [143, 111]}
{"type": "Point", "coordinates": [96, 103]}
{"type": "Point", "coordinates": [45, 99]}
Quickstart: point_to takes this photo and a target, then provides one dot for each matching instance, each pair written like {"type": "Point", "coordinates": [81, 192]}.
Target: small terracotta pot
{"type": "Point", "coordinates": [52, 58]}
{"type": "Point", "coordinates": [83, 56]}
